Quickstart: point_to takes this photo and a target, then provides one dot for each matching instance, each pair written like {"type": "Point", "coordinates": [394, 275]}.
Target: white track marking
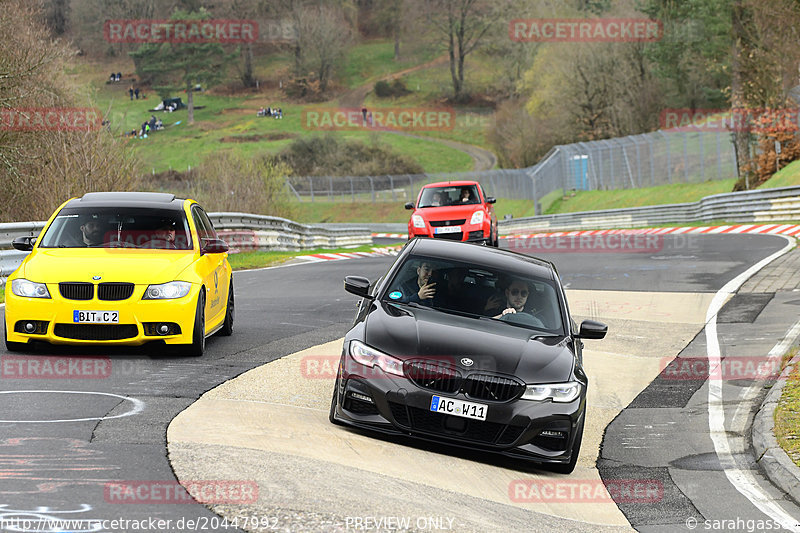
{"type": "Point", "coordinates": [138, 406]}
{"type": "Point", "coordinates": [743, 481]}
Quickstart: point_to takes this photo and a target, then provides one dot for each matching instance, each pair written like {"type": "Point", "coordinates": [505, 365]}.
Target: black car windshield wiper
{"type": "Point", "coordinates": [410, 304]}
{"type": "Point", "coordinates": [455, 312]}
{"type": "Point", "coordinates": [526, 326]}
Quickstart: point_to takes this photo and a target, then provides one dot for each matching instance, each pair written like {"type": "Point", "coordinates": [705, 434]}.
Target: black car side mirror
{"type": "Point", "coordinates": [213, 246]}
{"type": "Point", "coordinates": [490, 199]}
{"type": "Point", "coordinates": [592, 330]}
{"type": "Point", "coordinates": [409, 205]}
{"type": "Point", "coordinates": [23, 244]}
{"type": "Point", "coordinates": [358, 285]}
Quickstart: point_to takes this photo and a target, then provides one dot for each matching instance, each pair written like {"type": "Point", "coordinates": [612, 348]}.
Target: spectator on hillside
{"type": "Point", "coordinates": [130, 91]}
{"type": "Point", "coordinates": [136, 92]}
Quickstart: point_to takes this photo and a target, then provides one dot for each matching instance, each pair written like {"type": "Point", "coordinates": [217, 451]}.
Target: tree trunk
{"type": "Point", "coordinates": [741, 132]}
{"type": "Point", "coordinates": [453, 75]}
{"type": "Point", "coordinates": [190, 103]}
{"type": "Point", "coordinates": [247, 75]}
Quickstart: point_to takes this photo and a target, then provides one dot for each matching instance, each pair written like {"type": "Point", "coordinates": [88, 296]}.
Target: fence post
{"type": "Point", "coordinates": [311, 184]}
{"type": "Point", "coordinates": [638, 161]}
{"type": "Point", "coordinates": [391, 186]}
{"type": "Point", "coordinates": [719, 158]}
{"type": "Point", "coordinates": [652, 157]}
{"type": "Point", "coordinates": [330, 185]}
{"type": "Point", "coordinates": [371, 188]}
{"type": "Point", "coordinates": [352, 190]}
{"type": "Point", "coordinates": [686, 155]}
{"type": "Point", "coordinates": [669, 157]}
{"type": "Point", "coordinates": [702, 156]}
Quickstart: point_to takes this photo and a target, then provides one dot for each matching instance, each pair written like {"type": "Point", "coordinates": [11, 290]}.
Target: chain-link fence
{"type": "Point", "coordinates": [631, 162]}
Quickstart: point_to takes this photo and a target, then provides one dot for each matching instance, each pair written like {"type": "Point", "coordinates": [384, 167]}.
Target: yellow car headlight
{"type": "Point", "coordinates": [29, 289]}
{"type": "Point", "coordinates": [167, 291]}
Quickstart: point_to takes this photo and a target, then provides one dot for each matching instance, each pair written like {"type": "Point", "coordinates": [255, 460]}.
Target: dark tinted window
{"type": "Point", "coordinates": [128, 227]}
{"type": "Point", "coordinates": [476, 291]}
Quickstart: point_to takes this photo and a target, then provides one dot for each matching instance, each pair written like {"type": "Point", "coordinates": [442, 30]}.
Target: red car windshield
{"type": "Point", "coordinates": [449, 195]}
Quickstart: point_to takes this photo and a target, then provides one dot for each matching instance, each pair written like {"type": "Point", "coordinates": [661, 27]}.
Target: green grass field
{"type": "Point", "coordinates": [230, 122]}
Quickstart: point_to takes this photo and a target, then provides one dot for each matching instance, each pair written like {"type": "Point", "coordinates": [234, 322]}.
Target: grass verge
{"type": "Point", "coordinates": [785, 177]}
{"type": "Point", "coordinates": [787, 414]}
{"type": "Point", "coordinates": [674, 193]}
{"type": "Point", "coordinates": [246, 260]}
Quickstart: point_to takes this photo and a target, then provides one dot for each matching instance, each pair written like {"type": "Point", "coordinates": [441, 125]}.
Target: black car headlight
{"type": "Point", "coordinates": [558, 392]}
{"type": "Point", "coordinates": [29, 289]}
{"type": "Point", "coordinates": [371, 357]}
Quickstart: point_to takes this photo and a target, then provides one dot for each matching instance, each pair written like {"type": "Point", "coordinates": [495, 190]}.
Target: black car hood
{"type": "Point", "coordinates": [407, 332]}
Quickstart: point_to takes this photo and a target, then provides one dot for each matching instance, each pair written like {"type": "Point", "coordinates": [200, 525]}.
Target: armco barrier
{"type": "Point", "coordinates": [766, 205]}
{"type": "Point", "coordinates": [242, 231]}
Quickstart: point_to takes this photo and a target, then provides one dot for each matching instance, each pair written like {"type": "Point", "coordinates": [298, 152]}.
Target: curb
{"type": "Point", "coordinates": [776, 464]}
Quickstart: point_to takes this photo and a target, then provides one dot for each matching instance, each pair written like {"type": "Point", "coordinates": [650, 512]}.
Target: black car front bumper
{"type": "Point", "coordinates": [397, 406]}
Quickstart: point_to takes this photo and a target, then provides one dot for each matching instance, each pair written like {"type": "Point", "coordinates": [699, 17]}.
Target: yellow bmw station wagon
{"type": "Point", "coordinates": [122, 268]}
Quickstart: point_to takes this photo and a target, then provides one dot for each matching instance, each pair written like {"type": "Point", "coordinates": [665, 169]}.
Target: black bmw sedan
{"type": "Point", "coordinates": [468, 345]}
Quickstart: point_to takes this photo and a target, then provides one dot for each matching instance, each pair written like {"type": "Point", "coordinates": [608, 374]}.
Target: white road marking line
{"type": "Point", "coordinates": [138, 406]}
{"type": "Point", "coordinates": [742, 480]}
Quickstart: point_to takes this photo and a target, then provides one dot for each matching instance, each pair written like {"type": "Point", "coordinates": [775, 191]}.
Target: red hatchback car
{"type": "Point", "coordinates": [454, 210]}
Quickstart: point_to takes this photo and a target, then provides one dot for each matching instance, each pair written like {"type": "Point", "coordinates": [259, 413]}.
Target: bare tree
{"type": "Point", "coordinates": [40, 169]}
{"type": "Point", "coordinates": [764, 66]}
{"type": "Point", "coordinates": [323, 36]}
{"type": "Point", "coordinates": [462, 24]}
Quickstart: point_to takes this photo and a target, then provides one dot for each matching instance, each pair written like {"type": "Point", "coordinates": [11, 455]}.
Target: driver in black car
{"type": "Point", "coordinates": [516, 298]}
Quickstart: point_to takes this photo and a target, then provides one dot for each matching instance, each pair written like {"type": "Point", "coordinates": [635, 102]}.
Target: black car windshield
{"type": "Point", "coordinates": [479, 292]}
{"type": "Point", "coordinates": [118, 227]}
{"type": "Point", "coordinates": [449, 195]}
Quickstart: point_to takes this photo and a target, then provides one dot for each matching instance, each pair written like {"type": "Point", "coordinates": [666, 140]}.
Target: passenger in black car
{"type": "Point", "coordinates": [455, 294]}
{"type": "Point", "coordinates": [420, 289]}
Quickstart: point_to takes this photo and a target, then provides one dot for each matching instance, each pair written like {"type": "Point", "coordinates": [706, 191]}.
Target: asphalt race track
{"type": "Point", "coordinates": [64, 443]}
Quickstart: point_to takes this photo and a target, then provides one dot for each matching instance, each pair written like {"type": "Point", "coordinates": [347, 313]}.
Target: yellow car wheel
{"type": "Point", "coordinates": [227, 325]}
{"type": "Point", "coordinates": [198, 345]}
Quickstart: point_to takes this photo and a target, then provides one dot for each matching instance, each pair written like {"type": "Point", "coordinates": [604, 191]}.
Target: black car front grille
{"type": "Point", "coordinates": [450, 236]}
{"type": "Point", "coordinates": [495, 388]}
{"type": "Point", "coordinates": [442, 223]}
{"type": "Point", "coordinates": [474, 430]}
{"type": "Point", "coordinates": [511, 434]}
{"type": "Point", "coordinates": [114, 291]}
{"type": "Point", "coordinates": [73, 290]}
{"type": "Point", "coordinates": [433, 375]}
{"type": "Point", "coordinates": [96, 332]}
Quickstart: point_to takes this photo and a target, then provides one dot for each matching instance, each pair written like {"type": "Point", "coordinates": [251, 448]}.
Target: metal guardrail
{"type": "Point", "coordinates": [242, 231]}
{"type": "Point", "coordinates": [766, 205]}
